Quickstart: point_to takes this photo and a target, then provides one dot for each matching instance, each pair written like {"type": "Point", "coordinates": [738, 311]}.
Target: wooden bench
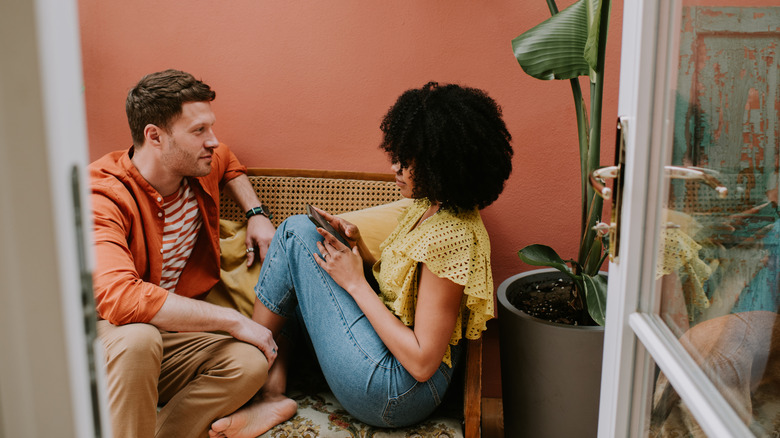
{"type": "Point", "coordinates": [285, 192]}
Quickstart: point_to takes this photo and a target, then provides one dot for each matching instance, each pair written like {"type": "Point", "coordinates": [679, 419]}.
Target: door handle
{"type": "Point", "coordinates": [616, 173]}
{"type": "Point", "coordinates": [698, 173]}
{"type": "Point", "coordinates": [598, 176]}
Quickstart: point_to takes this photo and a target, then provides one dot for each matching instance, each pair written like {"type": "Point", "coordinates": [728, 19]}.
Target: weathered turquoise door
{"type": "Point", "coordinates": [726, 120]}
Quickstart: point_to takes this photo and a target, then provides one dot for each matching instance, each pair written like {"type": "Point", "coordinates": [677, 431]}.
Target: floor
{"type": "Point", "coordinates": [492, 418]}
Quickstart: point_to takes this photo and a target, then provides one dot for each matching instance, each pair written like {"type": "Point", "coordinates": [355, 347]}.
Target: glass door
{"type": "Point", "coordinates": [692, 342]}
{"type": "Point", "coordinates": [51, 382]}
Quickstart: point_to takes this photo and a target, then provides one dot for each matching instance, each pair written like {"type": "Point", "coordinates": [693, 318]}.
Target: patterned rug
{"type": "Point", "coordinates": [321, 415]}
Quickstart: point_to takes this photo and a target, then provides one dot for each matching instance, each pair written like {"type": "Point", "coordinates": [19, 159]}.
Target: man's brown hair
{"type": "Point", "coordinates": [158, 97]}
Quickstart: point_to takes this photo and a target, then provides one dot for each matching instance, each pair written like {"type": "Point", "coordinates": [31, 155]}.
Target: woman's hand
{"type": "Point", "coordinates": [343, 264]}
{"type": "Point", "coordinates": [347, 229]}
{"type": "Point", "coordinates": [352, 233]}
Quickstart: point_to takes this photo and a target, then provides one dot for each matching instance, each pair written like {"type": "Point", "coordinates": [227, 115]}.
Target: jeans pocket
{"type": "Point", "coordinates": [446, 372]}
{"type": "Point", "coordinates": [412, 406]}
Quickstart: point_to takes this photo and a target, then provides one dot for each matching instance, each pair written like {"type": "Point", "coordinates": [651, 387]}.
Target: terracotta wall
{"type": "Point", "coordinates": [304, 84]}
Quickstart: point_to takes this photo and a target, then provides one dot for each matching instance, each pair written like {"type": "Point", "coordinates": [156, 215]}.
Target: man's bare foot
{"type": "Point", "coordinates": [255, 419]}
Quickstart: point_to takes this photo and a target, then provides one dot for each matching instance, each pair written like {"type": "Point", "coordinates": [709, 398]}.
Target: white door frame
{"type": "Point", "coordinates": [620, 346]}
{"type": "Point", "coordinates": [627, 373]}
{"type": "Point", "coordinates": [45, 386]}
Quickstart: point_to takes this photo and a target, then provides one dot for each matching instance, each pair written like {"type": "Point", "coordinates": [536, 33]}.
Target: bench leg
{"type": "Point", "coordinates": [472, 397]}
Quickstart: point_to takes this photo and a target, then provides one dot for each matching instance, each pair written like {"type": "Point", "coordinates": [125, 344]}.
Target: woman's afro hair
{"type": "Point", "coordinates": [454, 141]}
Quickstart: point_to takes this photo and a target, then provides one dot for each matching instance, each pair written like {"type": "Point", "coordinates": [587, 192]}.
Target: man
{"type": "Point", "coordinates": [156, 209]}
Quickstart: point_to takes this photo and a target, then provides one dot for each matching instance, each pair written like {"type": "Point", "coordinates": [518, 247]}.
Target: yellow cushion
{"type": "Point", "coordinates": [376, 223]}
{"type": "Point", "coordinates": [237, 284]}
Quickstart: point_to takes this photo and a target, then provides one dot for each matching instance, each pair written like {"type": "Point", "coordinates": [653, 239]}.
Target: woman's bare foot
{"type": "Point", "coordinates": [255, 419]}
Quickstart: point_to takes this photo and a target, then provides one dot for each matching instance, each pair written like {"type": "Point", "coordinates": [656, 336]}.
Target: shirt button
{"type": "Point", "coordinates": [159, 214]}
{"type": "Point", "coordinates": [159, 199]}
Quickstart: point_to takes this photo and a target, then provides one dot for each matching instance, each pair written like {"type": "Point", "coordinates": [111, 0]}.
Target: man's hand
{"type": "Point", "coordinates": [259, 229]}
{"type": "Point", "coordinates": [182, 314]}
{"type": "Point", "coordinates": [259, 232]}
{"type": "Point", "coordinates": [253, 333]}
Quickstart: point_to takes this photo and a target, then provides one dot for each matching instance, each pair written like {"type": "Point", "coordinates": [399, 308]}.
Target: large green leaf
{"type": "Point", "coordinates": [596, 296]}
{"type": "Point", "coordinates": [555, 48]}
{"type": "Point", "coordinates": [591, 51]}
{"type": "Point", "coordinates": [543, 255]}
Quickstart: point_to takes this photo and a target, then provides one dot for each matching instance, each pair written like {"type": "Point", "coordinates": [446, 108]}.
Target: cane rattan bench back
{"type": "Point", "coordinates": [286, 191]}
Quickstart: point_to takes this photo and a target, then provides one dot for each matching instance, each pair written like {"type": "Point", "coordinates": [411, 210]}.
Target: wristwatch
{"type": "Point", "coordinates": [259, 210]}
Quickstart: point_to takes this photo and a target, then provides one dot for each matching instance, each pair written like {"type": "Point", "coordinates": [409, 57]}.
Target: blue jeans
{"type": "Point", "coordinates": [363, 374]}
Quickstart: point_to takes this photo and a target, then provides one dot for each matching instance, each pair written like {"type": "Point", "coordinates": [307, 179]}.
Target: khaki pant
{"type": "Point", "coordinates": [196, 378]}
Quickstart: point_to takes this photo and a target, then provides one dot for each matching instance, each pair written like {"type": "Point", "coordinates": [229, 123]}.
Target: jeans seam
{"type": "Point", "coordinates": [434, 392]}
{"type": "Point", "coordinates": [445, 370]}
{"type": "Point", "coordinates": [263, 299]}
{"type": "Point", "coordinates": [393, 401]}
{"type": "Point", "coordinates": [326, 285]}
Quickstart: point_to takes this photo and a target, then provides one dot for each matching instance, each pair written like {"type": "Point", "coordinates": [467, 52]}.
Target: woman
{"type": "Point", "coordinates": [388, 354]}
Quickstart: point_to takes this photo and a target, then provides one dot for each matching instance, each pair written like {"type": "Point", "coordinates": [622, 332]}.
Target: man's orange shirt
{"type": "Point", "coordinates": [128, 230]}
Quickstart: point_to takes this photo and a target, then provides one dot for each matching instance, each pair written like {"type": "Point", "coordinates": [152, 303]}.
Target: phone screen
{"type": "Point", "coordinates": [320, 221]}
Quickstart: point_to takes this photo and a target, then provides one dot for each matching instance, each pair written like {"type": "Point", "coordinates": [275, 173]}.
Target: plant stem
{"type": "Point", "coordinates": [590, 265]}
{"type": "Point", "coordinates": [583, 129]}
{"type": "Point", "coordinates": [552, 6]}
{"type": "Point", "coordinates": [594, 141]}
{"type": "Point", "coordinates": [579, 296]}
{"type": "Point", "coordinates": [594, 203]}
{"type": "Point", "coordinates": [582, 134]}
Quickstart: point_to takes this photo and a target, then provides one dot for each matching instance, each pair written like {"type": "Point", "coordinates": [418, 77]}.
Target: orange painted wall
{"type": "Point", "coordinates": [304, 84]}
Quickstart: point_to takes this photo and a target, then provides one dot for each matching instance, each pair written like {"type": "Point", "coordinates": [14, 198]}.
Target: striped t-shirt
{"type": "Point", "coordinates": [182, 223]}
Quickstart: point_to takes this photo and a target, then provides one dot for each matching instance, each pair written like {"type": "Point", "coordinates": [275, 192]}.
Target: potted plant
{"type": "Point", "coordinates": [542, 356]}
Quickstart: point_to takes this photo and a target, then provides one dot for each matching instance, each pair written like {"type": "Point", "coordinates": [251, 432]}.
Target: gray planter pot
{"type": "Point", "coordinates": [550, 373]}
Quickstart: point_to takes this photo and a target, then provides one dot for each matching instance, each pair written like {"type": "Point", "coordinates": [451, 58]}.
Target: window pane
{"type": "Point", "coordinates": [670, 417]}
{"type": "Point", "coordinates": [719, 254]}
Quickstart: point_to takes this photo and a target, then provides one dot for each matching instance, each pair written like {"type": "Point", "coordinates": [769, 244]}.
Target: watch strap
{"type": "Point", "coordinates": [258, 210]}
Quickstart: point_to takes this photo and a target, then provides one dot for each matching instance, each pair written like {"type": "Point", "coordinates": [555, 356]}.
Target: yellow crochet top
{"type": "Point", "coordinates": [678, 254]}
{"type": "Point", "coordinates": [452, 246]}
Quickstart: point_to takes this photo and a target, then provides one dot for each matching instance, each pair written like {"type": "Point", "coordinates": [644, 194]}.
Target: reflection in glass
{"type": "Point", "coordinates": [670, 417]}
{"type": "Point", "coordinates": [719, 258]}
{"type": "Point", "coordinates": [740, 353]}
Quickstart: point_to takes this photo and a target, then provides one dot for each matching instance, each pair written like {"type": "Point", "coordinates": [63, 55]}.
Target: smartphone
{"type": "Point", "coordinates": [320, 221]}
